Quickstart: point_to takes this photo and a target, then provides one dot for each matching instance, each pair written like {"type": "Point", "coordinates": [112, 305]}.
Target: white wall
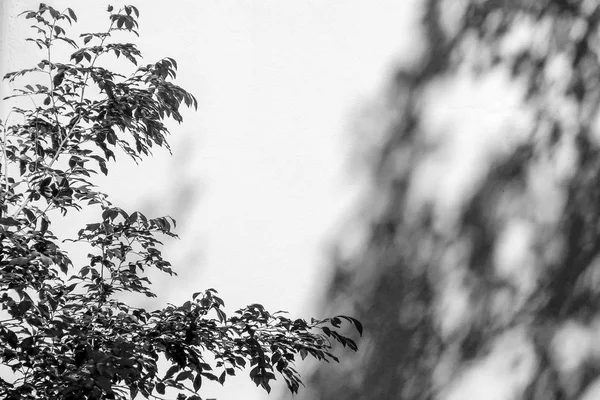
{"type": "Point", "coordinates": [258, 178]}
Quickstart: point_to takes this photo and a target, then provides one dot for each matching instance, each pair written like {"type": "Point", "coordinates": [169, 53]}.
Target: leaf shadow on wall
{"type": "Point", "coordinates": [477, 274]}
{"type": "Point", "coordinates": [180, 196]}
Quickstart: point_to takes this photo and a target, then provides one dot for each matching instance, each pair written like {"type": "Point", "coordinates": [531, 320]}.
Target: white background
{"type": "Point", "coordinates": [258, 180]}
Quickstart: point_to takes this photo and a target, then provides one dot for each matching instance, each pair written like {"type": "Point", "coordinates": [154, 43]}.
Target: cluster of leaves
{"type": "Point", "coordinates": [64, 332]}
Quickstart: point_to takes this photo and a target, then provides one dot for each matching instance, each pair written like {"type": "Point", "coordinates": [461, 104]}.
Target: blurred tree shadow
{"type": "Point", "coordinates": [183, 193]}
{"type": "Point", "coordinates": [496, 296]}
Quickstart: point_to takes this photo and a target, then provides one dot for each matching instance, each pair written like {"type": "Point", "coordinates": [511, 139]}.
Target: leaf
{"type": "Point", "coordinates": [9, 221]}
{"type": "Point", "coordinates": [27, 343]}
{"type": "Point", "coordinates": [111, 137]}
{"type": "Point", "coordinates": [254, 372]}
{"type": "Point", "coordinates": [58, 79]}
{"type": "Point", "coordinates": [265, 384]}
{"type": "Point", "coordinates": [358, 325]}
{"type": "Point", "coordinates": [109, 214]}
{"type": "Point", "coordinates": [80, 356]}
{"type": "Point", "coordinates": [303, 353]}
{"type": "Point", "coordinates": [221, 314]}
{"type": "Point", "coordinates": [45, 182]}
{"type": "Point", "coordinates": [44, 310]}
{"type": "Point", "coordinates": [44, 224]}
{"type": "Point", "coordinates": [197, 382]}
{"type": "Point", "coordinates": [11, 338]}
{"type": "Point", "coordinates": [47, 261]}
{"type": "Point", "coordinates": [92, 227]}
{"type": "Point", "coordinates": [133, 391]}
{"type": "Point", "coordinates": [29, 214]}
{"type": "Point", "coordinates": [72, 14]}
{"type": "Point", "coordinates": [275, 357]}
{"type": "Point", "coordinates": [103, 167]}
{"type": "Point", "coordinates": [184, 375]}
{"type": "Point", "coordinates": [19, 261]}
{"type": "Point", "coordinates": [24, 306]}
{"type": "Point", "coordinates": [350, 343]}
{"type": "Point", "coordinates": [160, 387]}
{"type": "Point", "coordinates": [210, 376]}
{"type": "Point", "coordinates": [353, 321]}
{"type": "Point", "coordinates": [47, 101]}
{"type": "Point", "coordinates": [171, 371]}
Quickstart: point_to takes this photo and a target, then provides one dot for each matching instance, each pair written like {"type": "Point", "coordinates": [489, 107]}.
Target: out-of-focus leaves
{"type": "Point", "coordinates": [428, 280]}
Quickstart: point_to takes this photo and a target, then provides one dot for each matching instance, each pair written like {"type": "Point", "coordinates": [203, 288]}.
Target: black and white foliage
{"type": "Point", "coordinates": [65, 332]}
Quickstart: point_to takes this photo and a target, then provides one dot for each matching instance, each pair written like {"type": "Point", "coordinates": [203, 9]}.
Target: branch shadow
{"type": "Point", "coordinates": [490, 289]}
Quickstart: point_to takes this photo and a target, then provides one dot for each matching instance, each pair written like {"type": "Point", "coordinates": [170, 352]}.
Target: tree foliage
{"type": "Point", "coordinates": [546, 184]}
{"type": "Point", "coordinates": [65, 332]}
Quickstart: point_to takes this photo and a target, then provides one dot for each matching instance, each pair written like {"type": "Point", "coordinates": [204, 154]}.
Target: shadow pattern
{"type": "Point", "coordinates": [395, 281]}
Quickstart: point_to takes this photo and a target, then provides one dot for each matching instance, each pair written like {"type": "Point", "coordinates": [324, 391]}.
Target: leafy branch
{"type": "Point", "coordinates": [66, 334]}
